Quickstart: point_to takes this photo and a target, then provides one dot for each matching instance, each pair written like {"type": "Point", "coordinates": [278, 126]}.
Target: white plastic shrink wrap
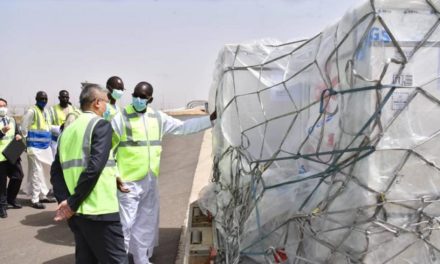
{"type": "Point", "coordinates": [328, 150]}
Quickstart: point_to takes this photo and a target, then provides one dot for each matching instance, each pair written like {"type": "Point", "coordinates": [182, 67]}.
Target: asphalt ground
{"type": "Point", "coordinates": [30, 235]}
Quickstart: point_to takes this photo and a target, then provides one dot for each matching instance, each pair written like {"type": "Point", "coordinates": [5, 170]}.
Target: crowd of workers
{"type": "Point", "coordinates": [104, 163]}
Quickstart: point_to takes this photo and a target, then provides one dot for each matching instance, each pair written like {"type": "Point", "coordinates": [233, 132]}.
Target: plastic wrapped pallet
{"type": "Point", "coordinates": [327, 150]}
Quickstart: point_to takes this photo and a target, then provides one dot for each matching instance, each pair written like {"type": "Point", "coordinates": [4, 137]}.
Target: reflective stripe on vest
{"type": "Point", "coordinates": [140, 146]}
{"type": "Point", "coordinates": [114, 109]}
{"type": "Point", "coordinates": [39, 135]}
{"type": "Point", "coordinates": [75, 113]}
{"type": "Point", "coordinates": [140, 143]}
{"type": "Point", "coordinates": [7, 138]}
{"type": "Point", "coordinates": [83, 163]}
{"type": "Point", "coordinates": [74, 153]}
{"type": "Point", "coordinates": [58, 116]}
{"type": "Point", "coordinates": [39, 118]}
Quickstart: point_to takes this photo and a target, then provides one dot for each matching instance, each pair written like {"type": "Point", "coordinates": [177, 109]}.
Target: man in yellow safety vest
{"type": "Point", "coordinates": [58, 115]}
{"type": "Point", "coordinates": [59, 111]}
{"type": "Point", "coordinates": [84, 179]}
{"type": "Point", "coordinates": [139, 130]}
{"type": "Point", "coordinates": [36, 128]}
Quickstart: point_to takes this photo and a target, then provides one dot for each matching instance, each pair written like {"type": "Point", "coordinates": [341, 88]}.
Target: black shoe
{"type": "Point", "coordinates": [15, 205]}
{"type": "Point", "coordinates": [38, 205]}
{"type": "Point", "coordinates": [3, 213]}
{"type": "Point", "coordinates": [48, 200]}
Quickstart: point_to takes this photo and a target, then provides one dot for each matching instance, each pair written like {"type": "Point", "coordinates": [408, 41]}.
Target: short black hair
{"type": "Point", "coordinates": [63, 91]}
{"type": "Point", "coordinates": [145, 85]}
{"type": "Point", "coordinates": [115, 82]}
{"type": "Point", "coordinates": [1, 99]}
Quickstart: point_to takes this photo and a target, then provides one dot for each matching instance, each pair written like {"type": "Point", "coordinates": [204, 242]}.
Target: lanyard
{"type": "Point", "coordinates": [5, 121]}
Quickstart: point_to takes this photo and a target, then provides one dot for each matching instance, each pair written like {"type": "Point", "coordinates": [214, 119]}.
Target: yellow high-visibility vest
{"type": "Point", "coordinates": [74, 153]}
{"type": "Point", "coordinates": [57, 114]}
{"type": "Point", "coordinates": [114, 109]}
{"type": "Point", "coordinates": [8, 137]}
{"type": "Point", "coordinates": [75, 113]}
{"type": "Point", "coordinates": [39, 135]}
{"type": "Point", "coordinates": [140, 147]}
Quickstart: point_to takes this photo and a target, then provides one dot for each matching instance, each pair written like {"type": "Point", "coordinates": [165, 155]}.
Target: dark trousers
{"type": "Point", "coordinates": [98, 241]}
{"type": "Point", "coordinates": [15, 174]}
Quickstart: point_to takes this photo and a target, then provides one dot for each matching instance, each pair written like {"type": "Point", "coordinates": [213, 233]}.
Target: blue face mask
{"type": "Point", "coordinates": [117, 94]}
{"type": "Point", "coordinates": [139, 104]}
{"type": "Point", "coordinates": [106, 114]}
{"type": "Point", "coordinates": [41, 104]}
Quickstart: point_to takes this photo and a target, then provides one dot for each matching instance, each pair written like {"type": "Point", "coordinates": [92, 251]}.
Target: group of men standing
{"type": "Point", "coordinates": [105, 171]}
{"type": "Point", "coordinates": [40, 129]}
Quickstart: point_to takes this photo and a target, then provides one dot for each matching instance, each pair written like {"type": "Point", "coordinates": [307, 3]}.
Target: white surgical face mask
{"type": "Point", "coordinates": [117, 94]}
{"type": "Point", "coordinates": [3, 111]}
{"type": "Point", "coordinates": [139, 104]}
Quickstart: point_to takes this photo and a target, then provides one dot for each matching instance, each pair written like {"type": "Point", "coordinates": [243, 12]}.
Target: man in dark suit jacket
{"type": "Point", "coordinates": [83, 176]}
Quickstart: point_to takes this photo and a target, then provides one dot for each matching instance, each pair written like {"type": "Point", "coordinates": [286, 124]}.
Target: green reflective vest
{"type": "Point", "coordinates": [114, 109]}
{"type": "Point", "coordinates": [75, 113]}
{"type": "Point", "coordinates": [74, 153]}
{"type": "Point", "coordinates": [7, 138]}
{"type": "Point", "coordinates": [140, 144]}
{"type": "Point", "coordinates": [41, 121]}
{"type": "Point", "coordinates": [57, 114]}
{"type": "Point", "coordinates": [71, 117]}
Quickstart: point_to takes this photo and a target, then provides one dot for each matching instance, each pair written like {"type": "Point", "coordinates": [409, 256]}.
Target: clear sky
{"type": "Point", "coordinates": [173, 44]}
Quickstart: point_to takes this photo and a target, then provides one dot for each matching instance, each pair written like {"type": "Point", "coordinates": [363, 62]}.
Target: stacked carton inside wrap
{"type": "Point", "coordinates": [328, 150]}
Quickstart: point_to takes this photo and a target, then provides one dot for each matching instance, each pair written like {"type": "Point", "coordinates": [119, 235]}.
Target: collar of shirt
{"type": "Point", "coordinates": [89, 112]}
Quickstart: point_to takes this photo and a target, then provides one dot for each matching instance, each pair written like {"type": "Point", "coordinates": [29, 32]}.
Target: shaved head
{"type": "Point", "coordinates": [41, 96]}
{"type": "Point", "coordinates": [143, 88]}
{"type": "Point", "coordinates": [115, 82]}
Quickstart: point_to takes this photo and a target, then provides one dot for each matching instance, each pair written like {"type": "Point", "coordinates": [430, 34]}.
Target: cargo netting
{"type": "Point", "coordinates": [327, 150]}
